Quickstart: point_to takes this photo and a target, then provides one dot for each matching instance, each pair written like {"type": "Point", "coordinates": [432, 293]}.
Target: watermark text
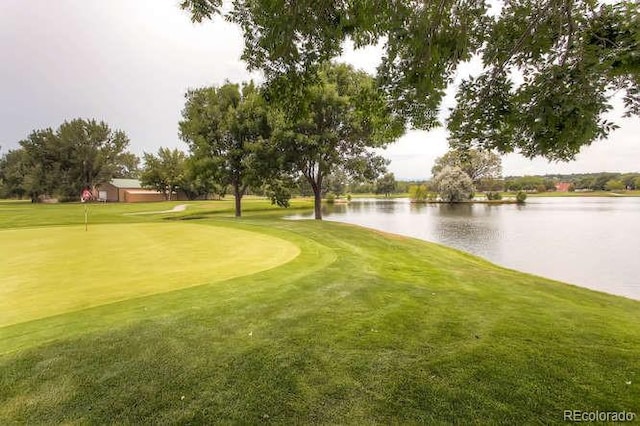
{"type": "Point", "coordinates": [598, 416]}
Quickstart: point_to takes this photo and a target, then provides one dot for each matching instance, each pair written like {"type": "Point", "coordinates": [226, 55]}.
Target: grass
{"type": "Point", "coordinates": [360, 327]}
{"type": "Point", "coordinates": [52, 270]}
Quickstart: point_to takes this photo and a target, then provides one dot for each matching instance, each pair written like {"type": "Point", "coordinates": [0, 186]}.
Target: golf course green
{"type": "Point", "coordinates": [343, 325]}
{"type": "Point", "coordinates": [52, 270]}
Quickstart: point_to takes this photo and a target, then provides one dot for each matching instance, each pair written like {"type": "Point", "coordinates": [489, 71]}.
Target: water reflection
{"type": "Point", "coordinates": [585, 241]}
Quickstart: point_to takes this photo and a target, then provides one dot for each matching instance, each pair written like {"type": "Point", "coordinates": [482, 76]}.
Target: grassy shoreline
{"type": "Point", "coordinates": [361, 327]}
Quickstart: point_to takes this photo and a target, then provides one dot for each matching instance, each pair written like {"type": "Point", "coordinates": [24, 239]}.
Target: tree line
{"type": "Point", "coordinates": [550, 68]}
{"type": "Point", "coordinates": [313, 118]}
{"type": "Point", "coordinates": [240, 136]}
{"type": "Point", "coordinates": [79, 154]}
{"type": "Point", "coordinates": [605, 181]}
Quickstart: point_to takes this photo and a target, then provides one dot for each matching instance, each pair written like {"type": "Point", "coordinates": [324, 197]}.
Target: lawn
{"type": "Point", "coordinates": [359, 327]}
{"type": "Point", "coordinates": [51, 270]}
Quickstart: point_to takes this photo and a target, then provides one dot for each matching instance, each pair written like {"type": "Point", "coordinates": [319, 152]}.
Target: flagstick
{"type": "Point", "coordinates": [86, 211]}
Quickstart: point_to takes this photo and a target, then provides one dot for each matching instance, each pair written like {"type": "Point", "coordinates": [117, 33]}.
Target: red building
{"type": "Point", "coordinates": [563, 186]}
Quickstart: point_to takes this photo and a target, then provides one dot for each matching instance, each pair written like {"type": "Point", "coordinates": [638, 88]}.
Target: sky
{"type": "Point", "coordinates": [129, 63]}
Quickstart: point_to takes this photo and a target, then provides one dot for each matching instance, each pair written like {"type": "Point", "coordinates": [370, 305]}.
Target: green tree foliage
{"type": "Point", "coordinates": [201, 179]}
{"type": "Point", "coordinates": [572, 53]}
{"type": "Point", "coordinates": [227, 128]}
{"type": "Point", "coordinates": [165, 172]}
{"type": "Point", "coordinates": [423, 42]}
{"type": "Point", "coordinates": [475, 163]}
{"type": "Point", "coordinates": [629, 180]}
{"type": "Point", "coordinates": [303, 187]}
{"type": "Point", "coordinates": [573, 56]}
{"type": "Point", "coordinates": [494, 196]}
{"type": "Point", "coordinates": [14, 168]}
{"type": "Point", "coordinates": [386, 184]}
{"type": "Point", "coordinates": [79, 154]}
{"type": "Point", "coordinates": [339, 118]}
{"type": "Point", "coordinates": [418, 192]}
{"type": "Point", "coordinates": [521, 197]}
{"type": "Point", "coordinates": [614, 185]}
{"type": "Point", "coordinates": [489, 184]}
{"type": "Point", "coordinates": [364, 186]}
{"type": "Point", "coordinates": [600, 180]}
{"type": "Point", "coordinates": [402, 186]}
{"type": "Point", "coordinates": [336, 183]}
{"type": "Point", "coordinates": [453, 185]}
{"type": "Point", "coordinates": [530, 183]}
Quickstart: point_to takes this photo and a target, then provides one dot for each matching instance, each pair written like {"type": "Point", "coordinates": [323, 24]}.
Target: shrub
{"type": "Point", "coordinates": [453, 185]}
{"type": "Point", "coordinates": [494, 196]}
{"type": "Point", "coordinates": [614, 185]}
{"type": "Point", "coordinates": [418, 192]}
{"type": "Point", "coordinates": [521, 196]}
{"type": "Point", "coordinates": [330, 197]}
{"type": "Point", "coordinates": [348, 197]}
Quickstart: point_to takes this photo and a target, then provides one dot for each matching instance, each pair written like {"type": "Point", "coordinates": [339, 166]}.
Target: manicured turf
{"type": "Point", "coordinates": [361, 327]}
{"type": "Point", "coordinates": [52, 270]}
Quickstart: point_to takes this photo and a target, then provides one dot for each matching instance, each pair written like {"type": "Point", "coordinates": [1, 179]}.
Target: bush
{"type": "Point", "coordinates": [453, 185]}
{"type": "Point", "coordinates": [521, 196]}
{"type": "Point", "coordinates": [330, 197]}
{"type": "Point", "coordinates": [418, 192]}
{"type": "Point", "coordinates": [614, 185]}
{"type": "Point", "coordinates": [494, 196]}
{"type": "Point", "coordinates": [348, 197]}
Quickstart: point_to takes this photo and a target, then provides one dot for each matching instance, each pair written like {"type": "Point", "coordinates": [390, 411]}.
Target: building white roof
{"type": "Point", "coordinates": [126, 183]}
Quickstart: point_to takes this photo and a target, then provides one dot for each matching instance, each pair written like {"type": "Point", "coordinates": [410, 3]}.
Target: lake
{"type": "Point", "coordinates": [591, 242]}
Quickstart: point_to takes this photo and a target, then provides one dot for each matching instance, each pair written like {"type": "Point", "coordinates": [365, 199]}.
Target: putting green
{"type": "Point", "coordinates": [49, 271]}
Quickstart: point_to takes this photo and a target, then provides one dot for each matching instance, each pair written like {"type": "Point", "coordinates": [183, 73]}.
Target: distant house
{"type": "Point", "coordinates": [131, 191]}
{"type": "Point", "coordinates": [563, 186]}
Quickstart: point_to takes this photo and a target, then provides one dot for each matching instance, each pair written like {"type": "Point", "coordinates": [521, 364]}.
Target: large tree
{"type": "Point", "coordinates": [338, 119]}
{"type": "Point", "coordinates": [551, 71]}
{"type": "Point", "coordinates": [96, 153]}
{"type": "Point", "coordinates": [571, 55]}
{"type": "Point", "coordinates": [13, 169]}
{"type": "Point", "coordinates": [228, 128]}
{"type": "Point", "coordinates": [477, 164]}
{"type": "Point", "coordinates": [386, 184]}
{"type": "Point", "coordinates": [164, 172]}
{"type": "Point", "coordinates": [453, 185]}
{"type": "Point", "coordinates": [79, 154]}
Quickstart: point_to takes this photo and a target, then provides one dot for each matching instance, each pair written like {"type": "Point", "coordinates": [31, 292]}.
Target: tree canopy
{"type": "Point", "coordinates": [227, 129]}
{"type": "Point", "coordinates": [165, 172]}
{"type": "Point", "coordinates": [386, 184]}
{"type": "Point", "coordinates": [339, 118]}
{"type": "Point", "coordinates": [550, 67]}
{"type": "Point", "coordinates": [453, 185]}
{"type": "Point", "coordinates": [571, 57]}
{"type": "Point", "coordinates": [79, 154]}
{"type": "Point", "coordinates": [477, 164]}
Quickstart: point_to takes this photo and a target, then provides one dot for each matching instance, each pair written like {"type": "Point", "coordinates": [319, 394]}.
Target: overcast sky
{"type": "Point", "coordinates": [129, 63]}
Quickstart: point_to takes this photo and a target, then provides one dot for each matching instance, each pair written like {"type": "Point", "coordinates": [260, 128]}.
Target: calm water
{"type": "Point", "coordinates": [591, 242]}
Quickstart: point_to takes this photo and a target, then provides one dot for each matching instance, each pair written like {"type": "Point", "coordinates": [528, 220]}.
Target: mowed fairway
{"type": "Point", "coordinates": [360, 327]}
{"type": "Point", "coordinates": [53, 270]}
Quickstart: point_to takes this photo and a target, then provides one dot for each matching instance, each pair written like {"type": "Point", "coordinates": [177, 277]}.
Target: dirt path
{"type": "Point", "coordinates": [178, 208]}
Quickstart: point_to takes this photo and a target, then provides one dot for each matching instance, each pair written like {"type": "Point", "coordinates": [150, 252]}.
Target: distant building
{"type": "Point", "coordinates": [563, 186]}
{"type": "Point", "coordinates": [131, 191]}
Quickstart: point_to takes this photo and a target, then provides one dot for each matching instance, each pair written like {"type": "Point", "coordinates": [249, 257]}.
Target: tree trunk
{"type": "Point", "coordinates": [317, 190]}
{"type": "Point", "coordinates": [238, 196]}
{"type": "Point", "coordinates": [317, 203]}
